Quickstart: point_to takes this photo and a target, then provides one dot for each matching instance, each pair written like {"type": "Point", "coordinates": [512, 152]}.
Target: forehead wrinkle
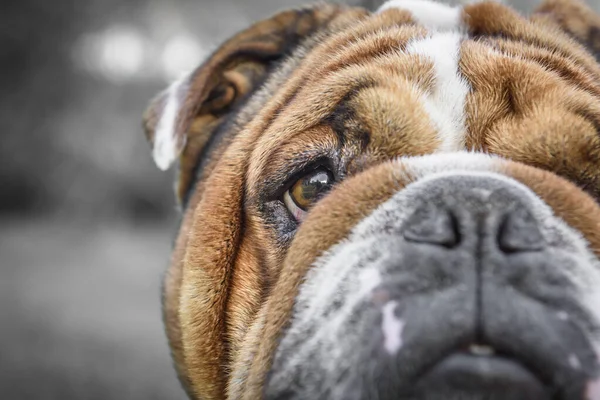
{"type": "Point", "coordinates": [521, 109]}
{"type": "Point", "coordinates": [344, 30]}
{"type": "Point", "coordinates": [372, 45]}
{"type": "Point", "coordinates": [496, 20]}
{"type": "Point", "coordinates": [343, 34]}
{"type": "Point", "coordinates": [567, 68]}
{"type": "Point", "coordinates": [343, 50]}
{"type": "Point", "coordinates": [289, 155]}
{"type": "Point", "coordinates": [313, 105]}
{"type": "Point", "coordinates": [359, 54]}
{"type": "Point", "coordinates": [277, 120]}
{"type": "Point", "coordinates": [308, 109]}
{"type": "Point", "coordinates": [396, 120]}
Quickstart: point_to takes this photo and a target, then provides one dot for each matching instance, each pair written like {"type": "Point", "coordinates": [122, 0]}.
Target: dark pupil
{"type": "Point", "coordinates": [314, 184]}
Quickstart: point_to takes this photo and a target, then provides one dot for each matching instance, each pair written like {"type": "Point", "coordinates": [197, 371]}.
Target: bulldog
{"type": "Point", "coordinates": [399, 203]}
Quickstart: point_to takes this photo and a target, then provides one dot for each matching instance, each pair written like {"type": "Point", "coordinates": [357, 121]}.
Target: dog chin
{"type": "Point", "coordinates": [473, 376]}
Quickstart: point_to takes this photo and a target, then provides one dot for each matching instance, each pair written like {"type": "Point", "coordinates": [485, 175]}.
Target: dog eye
{"type": "Point", "coordinates": [306, 191]}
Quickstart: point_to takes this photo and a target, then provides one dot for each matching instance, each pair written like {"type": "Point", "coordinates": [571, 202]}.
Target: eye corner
{"type": "Point", "coordinates": [294, 209]}
{"type": "Point", "coordinates": [305, 190]}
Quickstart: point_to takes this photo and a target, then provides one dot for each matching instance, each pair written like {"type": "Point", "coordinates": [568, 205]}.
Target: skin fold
{"type": "Point", "coordinates": [459, 157]}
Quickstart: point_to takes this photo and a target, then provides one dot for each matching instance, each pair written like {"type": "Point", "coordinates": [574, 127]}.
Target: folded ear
{"type": "Point", "coordinates": [180, 120]}
{"type": "Point", "coordinates": [575, 18]}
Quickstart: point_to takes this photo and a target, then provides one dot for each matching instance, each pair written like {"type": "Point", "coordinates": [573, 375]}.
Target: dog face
{"type": "Point", "coordinates": [390, 204]}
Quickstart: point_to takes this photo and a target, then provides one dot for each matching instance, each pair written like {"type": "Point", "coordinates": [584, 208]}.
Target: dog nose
{"type": "Point", "coordinates": [520, 231]}
{"type": "Point", "coordinates": [436, 223]}
{"type": "Point", "coordinates": [457, 287]}
{"type": "Point", "coordinates": [432, 224]}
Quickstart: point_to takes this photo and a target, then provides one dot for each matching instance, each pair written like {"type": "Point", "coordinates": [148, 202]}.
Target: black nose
{"type": "Point", "coordinates": [484, 241]}
{"type": "Point", "coordinates": [519, 231]}
{"type": "Point", "coordinates": [434, 225]}
{"type": "Point", "coordinates": [437, 223]}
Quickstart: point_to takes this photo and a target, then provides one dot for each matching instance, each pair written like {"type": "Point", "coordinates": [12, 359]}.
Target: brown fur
{"type": "Point", "coordinates": [329, 222]}
{"type": "Point", "coordinates": [575, 207]}
{"type": "Point", "coordinates": [545, 117]}
{"type": "Point", "coordinates": [349, 91]}
{"type": "Point", "coordinates": [575, 18]}
{"type": "Point", "coordinates": [229, 76]}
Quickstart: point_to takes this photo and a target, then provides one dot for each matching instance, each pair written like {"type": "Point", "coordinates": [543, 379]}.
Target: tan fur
{"type": "Point", "coordinates": [575, 18]}
{"type": "Point", "coordinates": [227, 78]}
{"type": "Point", "coordinates": [545, 117]}
{"type": "Point", "coordinates": [329, 222]}
{"type": "Point", "coordinates": [231, 285]}
{"type": "Point", "coordinates": [575, 207]}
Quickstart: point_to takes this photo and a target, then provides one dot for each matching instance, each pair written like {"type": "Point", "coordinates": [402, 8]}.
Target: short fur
{"type": "Point", "coordinates": [348, 85]}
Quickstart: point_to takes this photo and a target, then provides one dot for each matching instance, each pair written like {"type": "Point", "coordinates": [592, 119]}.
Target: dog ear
{"type": "Point", "coordinates": [180, 121]}
{"type": "Point", "coordinates": [575, 18]}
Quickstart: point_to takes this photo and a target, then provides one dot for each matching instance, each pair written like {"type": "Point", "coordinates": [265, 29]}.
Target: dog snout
{"type": "Point", "coordinates": [500, 259]}
{"type": "Point", "coordinates": [456, 286]}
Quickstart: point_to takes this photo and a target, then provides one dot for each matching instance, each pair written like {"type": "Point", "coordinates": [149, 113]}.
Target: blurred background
{"type": "Point", "coordinates": [86, 220]}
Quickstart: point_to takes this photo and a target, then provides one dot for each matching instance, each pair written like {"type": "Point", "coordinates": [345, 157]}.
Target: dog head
{"type": "Point", "coordinates": [390, 204]}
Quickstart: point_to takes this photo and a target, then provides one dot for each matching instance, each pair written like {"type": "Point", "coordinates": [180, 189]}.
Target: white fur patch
{"type": "Point", "coordinates": [450, 163]}
{"type": "Point", "coordinates": [430, 14]}
{"type": "Point", "coordinates": [392, 328]}
{"type": "Point", "coordinates": [369, 278]}
{"type": "Point", "coordinates": [165, 136]}
{"type": "Point", "coordinates": [445, 103]}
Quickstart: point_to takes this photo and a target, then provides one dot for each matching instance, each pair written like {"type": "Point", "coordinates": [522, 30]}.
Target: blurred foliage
{"type": "Point", "coordinates": [59, 126]}
{"type": "Point", "coordinates": [71, 141]}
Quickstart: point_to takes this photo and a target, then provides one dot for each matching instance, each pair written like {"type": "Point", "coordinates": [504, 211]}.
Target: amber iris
{"type": "Point", "coordinates": [308, 189]}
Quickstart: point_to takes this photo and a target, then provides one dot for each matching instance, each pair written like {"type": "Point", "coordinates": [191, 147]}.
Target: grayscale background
{"type": "Point", "coordinates": [86, 220]}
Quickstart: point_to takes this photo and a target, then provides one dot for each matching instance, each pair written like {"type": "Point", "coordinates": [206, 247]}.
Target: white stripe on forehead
{"type": "Point", "coordinates": [430, 14]}
{"type": "Point", "coordinates": [445, 102]}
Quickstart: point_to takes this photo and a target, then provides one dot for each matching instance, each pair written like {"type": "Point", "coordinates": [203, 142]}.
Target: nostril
{"type": "Point", "coordinates": [519, 231]}
{"type": "Point", "coordinates": [433, 225]}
